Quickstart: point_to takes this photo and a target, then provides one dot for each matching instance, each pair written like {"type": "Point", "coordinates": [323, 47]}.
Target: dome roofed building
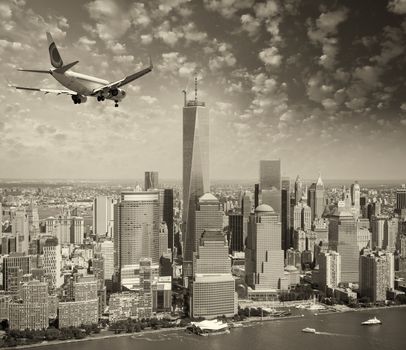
{"type": "Point", "coordinates": [264, 208]}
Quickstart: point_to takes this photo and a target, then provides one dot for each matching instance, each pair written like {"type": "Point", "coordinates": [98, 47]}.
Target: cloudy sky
{"type": "Point", "coordinates": [318, 84]}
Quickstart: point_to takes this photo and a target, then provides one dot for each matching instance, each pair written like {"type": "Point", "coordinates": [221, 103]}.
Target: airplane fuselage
{"type": "Point", "coordinates": [84, 84]}
{"type": "Point", "coordinates": [81, 86]}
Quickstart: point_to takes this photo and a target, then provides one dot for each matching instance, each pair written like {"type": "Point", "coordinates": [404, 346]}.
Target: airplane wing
{"type": "Point", "coordinates": [125, 80]}
{"type": "Point", "coordinates": [46, 91]}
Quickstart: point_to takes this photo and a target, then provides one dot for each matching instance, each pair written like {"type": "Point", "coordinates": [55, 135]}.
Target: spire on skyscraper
{"type": "Point", "coordinates": [196, 89]}
{"type": "Point", "coordinates": [319, 181]}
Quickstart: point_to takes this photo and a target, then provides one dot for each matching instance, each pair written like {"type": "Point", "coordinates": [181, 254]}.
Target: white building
{"type": "Point", "coordinates": [329, 270]}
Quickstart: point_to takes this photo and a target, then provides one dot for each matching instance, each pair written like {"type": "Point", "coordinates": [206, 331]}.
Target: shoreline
{"type": "Point", "coordinates": [253, 320]}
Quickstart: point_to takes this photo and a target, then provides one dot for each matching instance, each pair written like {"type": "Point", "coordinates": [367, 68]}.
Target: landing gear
{"type": "Point", "coordinates": [116, 103]}
{"type": "Point", "coordinates": [100, 98]}
{"type": "Point", "coordinates": [76, 99]}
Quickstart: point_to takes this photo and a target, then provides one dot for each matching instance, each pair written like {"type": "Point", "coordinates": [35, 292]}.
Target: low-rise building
{"type": "Point", "coordinates": [76, 313]}
{"type": "Point", "coordinates": [162, 294]}
{"type": "Point", "coordinates": [30, 310]}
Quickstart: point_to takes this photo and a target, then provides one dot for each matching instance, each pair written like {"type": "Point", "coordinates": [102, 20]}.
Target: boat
{"type": "Point", "coordinates": [309, 330]}
{"type": "Point", "coordinates": [371, 321]}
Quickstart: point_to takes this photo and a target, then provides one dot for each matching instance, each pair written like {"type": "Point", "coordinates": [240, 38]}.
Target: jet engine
{"type": "Point", "coordinates": [77, 99]}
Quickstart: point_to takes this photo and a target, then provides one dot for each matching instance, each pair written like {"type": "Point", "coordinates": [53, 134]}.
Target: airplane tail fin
{"type": "Point", "coordinates": [66, 67]}
{"type": "Point", "coordinates": [54, 55]}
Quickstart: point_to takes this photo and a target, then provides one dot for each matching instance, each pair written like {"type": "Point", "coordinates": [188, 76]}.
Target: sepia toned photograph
{"type": "Point", "coordinates": [203, 174]}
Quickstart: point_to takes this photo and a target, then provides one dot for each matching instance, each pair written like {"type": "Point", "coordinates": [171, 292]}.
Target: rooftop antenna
{"type": "Point", "coordinates": [184, 97]}
{"type": "Point", "coordinates": [195, 89]}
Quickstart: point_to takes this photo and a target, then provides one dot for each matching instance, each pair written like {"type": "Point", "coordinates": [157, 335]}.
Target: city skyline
{"type": "Point", "coordinates": [307, 86]}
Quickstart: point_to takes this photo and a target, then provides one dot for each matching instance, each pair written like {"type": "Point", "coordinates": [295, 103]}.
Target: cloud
{"type": "Point", "coordinates": [233, 87]}
{"type": "Point", "coordinates": [166, 6]}
{"type": "Point", "coordinates": [317, 88]}
{"type": "Point", "coordinates": [271, 13]}
{"type": "Point", "coordinates": [60, 137]}
{"type": "Point", "coordinates": [139, 15]}
{"type": "Point", "coordinates": [368, 75]}
{"type": "Point", "coordinates": [86, 43]}
{"type": "Point", "coordinates": [271, 57]}
{"type": "Point", "coordinates": [45, 129]}
{"type": "Point", "coordinates": [357, 103]}
{"type": "Point", "coordinates": [5, 11]}
{"type": "Point", "coordinates": [123, 59]}
{"type": "Point", "coordinates": [111, 21]}
{"type": "Point", "coordinates": [192, 34]}
{"type": "Point", "coordinates": [167, 34]}
{"type": "Point", "coordinates": [174, 63]}
{"type": "Point", "coordinates": [146, 38]}
{"type": "Point", "coordinates": [149, 99]}
{"type": "Point", "coordinates": [221, 55]}
{"type": "Point", "coordinates": [228, 8]}
{"type": "Point", "coordinates": [397, 6]}
{"type": "Point", "coordinates": [250, 24]}
{"type": "Point", "coordinates": [323, 32]}
{"type": "Point", "coordinates": [392, 46]}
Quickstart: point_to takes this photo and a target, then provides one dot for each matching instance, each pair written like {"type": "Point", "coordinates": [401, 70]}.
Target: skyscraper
{"type": "Point", "coordinates": [151, 180]}
{"type": "Point", "coordinates": [379, 226]}
{"type": "Point", "coordinates": [246, 208]}
{"type": "Point", "coordinates": [270, 174]}
{"type": "Point", "coordinates": [401, 199]}
{"type": "Point", "coordinates": [20, 229]}
{"type": "Point", "coordinates": [377, 275]}
{"type": "Point", "coordinates": [319, 199]}
{"type": "Point", "coordinates": [356, 196]}
{"type": "Point", "coordinates": [302, 216]}
{"type": "Point", "coordinates": [103, 215]}
{"type": "Point", "coordinates": [235, 225]}
{"type": "Point", "coordinates": [391, 234]}
{"type": "Point", "coordinates": [270, 183]}
{"type": "Point", "coordinates": [136, 228]}
{"type": "Point", "coordinates": [285, 213]}
{"type": "Point", "coordinates": [213, 291]}
{"type": "Point", "coordinates": [163, 239]}
{"type": "Point", "coordinates": [209, 216]}
{"type": "Point", "coordinates": [342, 236]}
{"type": "Point", "coordinates": [33, 220]}
{"type": "Point", "coordinates": [298, 189]}
{"type": "Point", "coordinates": [195, 170]}
{"type": "Point", "coordinates": [256, 195]}
{"type": "Point", "coordinates": [167, 215]}
{"type": "Point", "coordinates": [311, 199]}
{"type": "Point", "coordinates": [106, 250]}
{"type": "Point", "coordinates": [77, 230]}
{"type": "Point", "coordinates": [329, 270]}
{"type": "Point", "coordinates": [53, 263]}
{"type": "Point", "coordinates": [264, 259]}
{"type": "Point", "coordinates": [14, 267]}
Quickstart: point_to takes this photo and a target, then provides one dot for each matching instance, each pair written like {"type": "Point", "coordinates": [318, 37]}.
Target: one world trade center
{"type": "Point", "coordinates": [195, 171]}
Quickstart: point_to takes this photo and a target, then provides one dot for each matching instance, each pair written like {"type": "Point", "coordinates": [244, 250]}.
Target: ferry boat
{"type": "Point", "coordinates": [371, 321]}
{"type": "Point", "coordinates": [309, 330]}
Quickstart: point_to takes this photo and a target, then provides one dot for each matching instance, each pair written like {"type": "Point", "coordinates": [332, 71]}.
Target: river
{"type": "Point", "coordinates": [334, 331]}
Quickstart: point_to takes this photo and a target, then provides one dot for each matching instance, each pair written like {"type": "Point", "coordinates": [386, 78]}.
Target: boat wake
{"type": "Point", "coordinates": [333, 334]}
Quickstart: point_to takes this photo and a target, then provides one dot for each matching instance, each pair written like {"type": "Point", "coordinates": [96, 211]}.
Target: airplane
{"type": "Point", "coordinates": [82, 86]}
